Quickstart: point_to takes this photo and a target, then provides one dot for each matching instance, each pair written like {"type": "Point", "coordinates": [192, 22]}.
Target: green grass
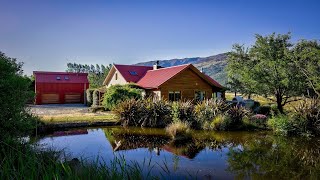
{"type": "Point", "coordinates": [264, 101]}
{"type": "Point", "coordinates": [78, 118]}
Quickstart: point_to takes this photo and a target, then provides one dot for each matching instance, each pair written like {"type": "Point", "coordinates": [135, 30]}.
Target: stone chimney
{"type": "Point", "coordinates": [156, 66]}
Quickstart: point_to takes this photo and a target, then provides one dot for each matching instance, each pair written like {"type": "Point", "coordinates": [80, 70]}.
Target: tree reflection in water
{"type": "Point", "coordinates": [250, 155]}
{"type": "Point", "coordinates": [276, 157]}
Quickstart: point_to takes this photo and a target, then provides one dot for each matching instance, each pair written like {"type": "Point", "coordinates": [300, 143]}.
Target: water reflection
{"type": "Point", "coordinates": [208, 154]}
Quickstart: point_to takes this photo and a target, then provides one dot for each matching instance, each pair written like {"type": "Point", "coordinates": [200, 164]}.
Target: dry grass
{"type": "Point", "coordinates": [178, 129]}
{"type": "Point", "coordinates": [73, 118]}
{"type": "Point", "coordinates": [264, 101]}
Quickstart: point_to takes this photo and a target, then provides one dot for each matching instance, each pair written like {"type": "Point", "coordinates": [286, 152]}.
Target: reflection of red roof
{"type": "Point", "coordinates": [138, 72]}
{"type": "Point", "coordinates": [175, 151]}
{"type": "Point", "coordinates": [154, 78]}
{"type": "Point", "coordinates": [60, 77]}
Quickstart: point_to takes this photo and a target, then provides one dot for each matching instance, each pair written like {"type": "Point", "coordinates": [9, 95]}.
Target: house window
{"type": "Point", "coordinates": [133, 73]}
{"type": "Point", "coordinates": [58, 78]}
{"type": "Point", "coordinates": [66, 78]}
{"type": "Point", "coordinates": [116, 76]}
{"type": "Point", "coordinates": [174, 95]}
{"type": "Point", "coordinates": [199, 95]}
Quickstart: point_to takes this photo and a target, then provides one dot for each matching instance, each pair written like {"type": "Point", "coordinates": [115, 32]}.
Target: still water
{"type": "Point", "coordinates": [208, 155]}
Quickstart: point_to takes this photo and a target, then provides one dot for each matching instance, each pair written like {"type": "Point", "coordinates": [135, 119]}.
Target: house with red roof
{"type": "Point", "coordinates": [60, 87]}
{"type": "Point", "coordinates": [183, 82]}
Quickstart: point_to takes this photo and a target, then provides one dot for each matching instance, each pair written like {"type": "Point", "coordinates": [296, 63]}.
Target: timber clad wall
{"type": "Point", "coordinates": [187, 82]}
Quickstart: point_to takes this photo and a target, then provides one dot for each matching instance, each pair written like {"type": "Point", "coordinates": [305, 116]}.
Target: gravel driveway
{"type": "Point", "coordinates": [59, 109]}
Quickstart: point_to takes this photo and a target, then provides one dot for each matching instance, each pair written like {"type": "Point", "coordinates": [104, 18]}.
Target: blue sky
{"type": "Point", "coordinates": [46, 34]}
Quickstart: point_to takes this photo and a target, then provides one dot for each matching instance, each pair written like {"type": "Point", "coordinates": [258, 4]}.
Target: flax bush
{"type": "Point", "coordinates": [307, 115]}
{"type": "Point", "coordinates": [157, 113]}
{"type": "Point", "coordinates": [130, 112]}
{"type": "Point", "coordinates": [183, 111]}
{"type": "Point", "coordinates": [206, 110]}
{"type": "Point", "coordinates": [236, 115]}
{"type": "Point", "coordinates": [146, 113]}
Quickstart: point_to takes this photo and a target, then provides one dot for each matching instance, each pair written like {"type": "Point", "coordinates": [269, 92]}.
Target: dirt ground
{"type": "Point", "coordinates": [67, 115]}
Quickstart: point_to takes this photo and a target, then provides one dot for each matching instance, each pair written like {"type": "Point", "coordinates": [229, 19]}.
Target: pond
{"type": "Point", "coordinates": [208, 155]}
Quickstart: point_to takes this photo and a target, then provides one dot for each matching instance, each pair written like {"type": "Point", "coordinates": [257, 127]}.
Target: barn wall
{"type": "Point", "coordinates": [61, 89]}
{"type": "Point", "coordinates": [187, 82]}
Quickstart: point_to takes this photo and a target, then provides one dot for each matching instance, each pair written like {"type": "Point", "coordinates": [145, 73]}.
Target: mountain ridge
{"type": "Point", "coordinates": [213, 66]}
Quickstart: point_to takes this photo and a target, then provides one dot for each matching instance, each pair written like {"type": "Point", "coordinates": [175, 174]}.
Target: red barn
{"type": "Point", "coordinates": [60, 87]}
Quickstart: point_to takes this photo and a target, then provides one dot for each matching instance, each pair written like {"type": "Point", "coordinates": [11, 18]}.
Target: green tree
{"type": "Point", "coordinates": [267, 69]}
{"type": "Point", "coordinates": [96, 74]}
{"type": "Point", "coordinates": [237, 67]}
{"type": "Point", "coordinates": [14, 93]}
{"type": "Point", "coordinates": [307, 58]}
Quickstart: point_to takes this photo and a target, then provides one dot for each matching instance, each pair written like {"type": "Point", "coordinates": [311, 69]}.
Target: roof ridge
{"type": "Point", "coordinates": [54, 72]}
{"type": "Point", "coordinates": [171, 67]}
{"type": "Point", "coordinates": [130, 65]}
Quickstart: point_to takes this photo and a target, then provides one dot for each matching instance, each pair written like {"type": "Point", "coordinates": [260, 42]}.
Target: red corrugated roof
{"type": "Point", "coordinates": [154, 78]}
{"type": "Point", "coordinates": [125, 70]}
{"type": "Point", "coordinates": [65, 77]}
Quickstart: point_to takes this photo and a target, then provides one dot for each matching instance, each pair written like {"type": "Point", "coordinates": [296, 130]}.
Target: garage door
{"type": "Point", "coordinates": [72, 98]}
{"type": "Point", "coordinates": [50, 98]}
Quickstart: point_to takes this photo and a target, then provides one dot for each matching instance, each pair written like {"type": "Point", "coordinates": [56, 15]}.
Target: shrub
{"type": "Point", "coordinates": [282, 125]}
{"type": "Point", "coordinates": [259, 120]}
{"type": "Point", "coordinates": [118, 93]}
{"type": "Point", "coordinates": [307, 115]}
{"type": "Point", "coordinates": [216, 124]}
{"type": "Point", "coordinates": [206, 110]}
{"type": "Point", "coordinates": [179, 130]}
{"type": "Point", "coordinates": [15, 119]}
{"type": "Point", "coordinates": [235, 116]}
{"type": "Point", "coordinates": [274, 110]}
{"type": "Point", "coordinates": [183, 111]}
{"type": "Point", "coordinates": [304, 120]}
{"type": "Point", "coordinates": [146, 113]}
{"type": "Point", "coordinates": [265, 110]}
{"type": "Point", "coordinates": [130, 112]}
{"type": "Point", "coordinates": [157, 113]}
{"type": "Point", "coordinates": [256, 105]}
{"type": "Point", "coordinates": [175, 111]}
{"type": "Point", "coordinates": [89, 94]}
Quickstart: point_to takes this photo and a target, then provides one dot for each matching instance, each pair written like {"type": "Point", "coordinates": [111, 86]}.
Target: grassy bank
{"type": "Point", "coordinates": [21, 161]}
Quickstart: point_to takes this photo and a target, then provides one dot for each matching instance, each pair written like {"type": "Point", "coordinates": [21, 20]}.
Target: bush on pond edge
{"type": "Point", "coordinates": [304, 120]}
{"type": "Point", "coordinates": [145, 113]}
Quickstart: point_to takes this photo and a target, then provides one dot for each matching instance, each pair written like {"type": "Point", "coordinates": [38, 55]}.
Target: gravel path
{"type": "Point", "coordinates": [59, 109]}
